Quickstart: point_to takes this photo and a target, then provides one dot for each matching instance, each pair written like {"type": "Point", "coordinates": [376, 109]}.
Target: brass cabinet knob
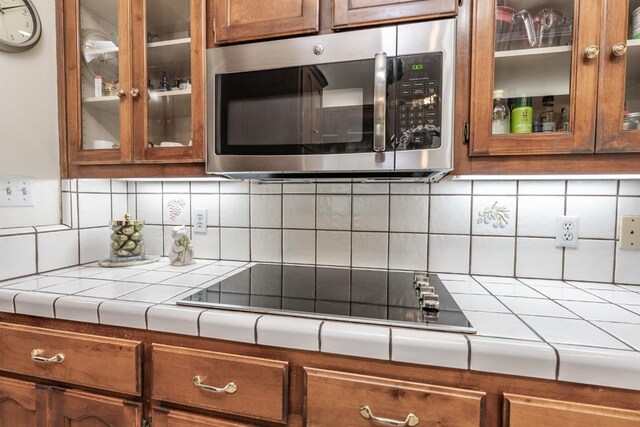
{"type": "Point", "coordinates": [619, 49]}
{"type": "Point", "coordinates": [591, 52]}
{"type": "Point", "coordinates": [135, 92]}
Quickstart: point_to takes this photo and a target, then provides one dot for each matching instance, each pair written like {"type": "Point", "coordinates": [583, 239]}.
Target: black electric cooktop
{"type": "Point", "coordinates": [354, 295]}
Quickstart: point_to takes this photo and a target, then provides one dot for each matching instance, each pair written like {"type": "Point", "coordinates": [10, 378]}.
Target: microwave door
{"type": "Point", "coordinates": [308, 118]}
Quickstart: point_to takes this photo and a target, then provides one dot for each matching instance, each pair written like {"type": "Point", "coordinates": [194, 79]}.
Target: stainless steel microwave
{"type": "Point", "coordinates": [368, 103]}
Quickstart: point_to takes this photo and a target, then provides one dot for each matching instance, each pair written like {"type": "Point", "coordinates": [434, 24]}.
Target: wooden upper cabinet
{"type": "Point", "coordinates": [241, 20]}
{"type": "Point", "coordinates": [551, 73]}
{"type": "Point", "coordinates": [135, 81]}
{"type": "Point", "coordinates": [526, 411]}
{"type": "Point", "coordinates": [354, 13]}
{"type": "Point", "coordinates": [619, 88]}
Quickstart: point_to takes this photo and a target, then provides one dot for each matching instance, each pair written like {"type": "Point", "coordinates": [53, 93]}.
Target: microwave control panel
{"type": "Point", "coordinates": [418, 106]}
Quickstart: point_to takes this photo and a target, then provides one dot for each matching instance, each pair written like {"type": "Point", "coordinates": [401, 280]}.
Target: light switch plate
{"type": "Point", "coordinates": [16, 192]}
{"type": "Point", "coordinates": [630, 232]}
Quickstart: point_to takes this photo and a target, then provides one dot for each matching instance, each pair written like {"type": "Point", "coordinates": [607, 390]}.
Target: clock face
{"type": "Point", "coordinates": [19, 25]}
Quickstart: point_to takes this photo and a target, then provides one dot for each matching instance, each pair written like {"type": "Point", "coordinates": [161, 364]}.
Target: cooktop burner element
{"type": "Point", "coordinates": [417, 300]}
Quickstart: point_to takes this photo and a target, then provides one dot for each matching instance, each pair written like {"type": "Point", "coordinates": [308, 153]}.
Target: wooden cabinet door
{"type": "Point", "coordinates": [169, 418]}
{"type": "Point", "coordinates": [354, 13]}
{"type": "Point", "coordinates": [241, 20]}
{"type": "Point", "coordinates": [619, 88]}
{"type": "Point", "coordinates": [22, 404]}
{"type": "Point", "coordinates": [78, 409]}
{"type": "Point", "coordinates": [503, 59]}
{"type": "Point", "coordinates": [526, 411]}
{"type": "Point", "coordinates": [344, 399]}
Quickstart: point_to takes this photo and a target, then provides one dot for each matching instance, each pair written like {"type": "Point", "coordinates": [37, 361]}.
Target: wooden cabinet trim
{"type": "Point", "coordinates": [73, 405]}
{"type": "Point", "coordinates": [85, 355]}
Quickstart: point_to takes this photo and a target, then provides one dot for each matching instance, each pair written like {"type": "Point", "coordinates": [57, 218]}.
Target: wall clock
{"type": "Point", "coordinates": [20, 26]}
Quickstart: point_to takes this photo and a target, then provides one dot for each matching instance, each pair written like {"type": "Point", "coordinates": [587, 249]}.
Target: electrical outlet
{"type": "Point", "coordinates": [567, 231]}
{"type": "Point", "coordinates": [630, 232]}
{"type": "Point", "coordinates": [199, 220]}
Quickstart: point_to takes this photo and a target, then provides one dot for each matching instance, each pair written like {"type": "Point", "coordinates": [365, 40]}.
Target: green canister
{"type": "Point", "coordinates": [522, 115]}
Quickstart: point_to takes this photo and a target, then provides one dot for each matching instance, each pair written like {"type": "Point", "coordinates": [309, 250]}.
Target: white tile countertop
{"type": "Point", "coordinates": [570, 331]}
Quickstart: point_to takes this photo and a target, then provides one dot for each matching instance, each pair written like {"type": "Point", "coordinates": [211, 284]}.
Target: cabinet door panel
{"type": "Point", "coordinates": [17, 403]}
{"type": "Point", "coordinates": [353, 13]}
{"type": "Point", "coordinates": [240, 20]}
{"type": "Point", "coordinates": [619, 88]}
{"type": "Point", "coordinates": [78, 409]}
{"type": "Point", "coordinates": [526, 411]}
{"type": "Point", "coordinates": [549, 73]}
{"type": "Point", "coordinates": [338, 398]}
{"type": "Point", "coordinates": [166, 418]}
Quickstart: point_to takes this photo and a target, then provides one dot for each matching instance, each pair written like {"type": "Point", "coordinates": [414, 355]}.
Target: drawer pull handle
{"type": "Point", "coordinates": [229, 388]}
{"type": "Point", "coordinates": [410, 421]}
{"type": "Point", "coordinates": [35, 356]}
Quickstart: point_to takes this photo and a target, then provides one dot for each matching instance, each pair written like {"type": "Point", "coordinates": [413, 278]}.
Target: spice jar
{"type": "Point", "coordinates": [127, 243]}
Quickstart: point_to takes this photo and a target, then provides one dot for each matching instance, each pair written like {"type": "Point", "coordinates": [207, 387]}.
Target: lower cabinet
{"type": "Point", "coordinates": [18, 404]}
{"type": "Point", "coordinates": [168, 418]}
{"type": "Point", "coordinates": [344, 399]}
{"type": "Point", "coordinates": [79, 409]}
{"type": "Point", "coordinates": [526, 411]}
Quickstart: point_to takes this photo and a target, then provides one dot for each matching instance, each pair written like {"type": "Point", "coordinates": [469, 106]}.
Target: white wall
{"type": "Point", "coordinates": [28, 124]}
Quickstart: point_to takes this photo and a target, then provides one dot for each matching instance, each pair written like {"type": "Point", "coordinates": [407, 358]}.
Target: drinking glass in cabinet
{"type": "Point", "coordinates": [532, 68]}
{"type": "Point", "coordinates": [99, 56]}
{"type": "Point", "coordinates": [169, 73]}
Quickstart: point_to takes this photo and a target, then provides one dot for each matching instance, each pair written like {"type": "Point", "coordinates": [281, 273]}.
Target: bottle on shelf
{"type": "Point", "coordinates": [164, 84]}
{"type": "Point", "coordinates": [522, 115]}
{"type": "Point", "coordinates": [501, 115]}
{"type": "Point", "coordinates": [565, 119]}
{"type": "Point", "coordinates": [548, 116]}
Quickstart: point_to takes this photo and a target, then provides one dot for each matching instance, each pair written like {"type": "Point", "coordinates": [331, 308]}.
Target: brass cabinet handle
{"type": "Point", "coordinates": [120, 93]}
{"type": "Point", "coordinates": [410, 421]}
{"type": "Point", "coordinates": [591, 52]}
{"type": "Point", "coordinates": [229, 388]}
{"type": "Point", "coordinates": [135, 92]}
{"type": "Point", "coordinates": [619, 49]}
{"type": "Point", "coordinates": [35, 356]}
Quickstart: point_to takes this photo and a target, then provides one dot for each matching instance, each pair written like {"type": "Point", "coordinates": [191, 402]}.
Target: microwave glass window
{"type": "Point", "coordinates": [316, 109]}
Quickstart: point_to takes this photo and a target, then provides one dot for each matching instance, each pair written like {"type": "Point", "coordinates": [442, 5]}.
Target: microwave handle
{"type": "Point", "coordinates": [380, 102]}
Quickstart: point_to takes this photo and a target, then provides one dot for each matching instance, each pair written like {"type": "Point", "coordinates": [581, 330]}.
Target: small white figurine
{"type": "Point", "coordinates": [181, 249]}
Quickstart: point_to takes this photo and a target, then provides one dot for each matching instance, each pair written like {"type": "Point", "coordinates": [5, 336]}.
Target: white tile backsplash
{"type": "Point", "coordinates": [18, 256]}
{"type": "Point", "coordinates": [58, 249]}
{"type": "Point", "coordinates": [364, 224]}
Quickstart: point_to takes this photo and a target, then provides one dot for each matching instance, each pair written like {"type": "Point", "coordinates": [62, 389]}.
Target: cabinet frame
{"type": "Point", "coordinates": [346, 14]}
{"type": "Point", "coordinates": [132, 111]}
{"type": "Point", "coordinates": [583, 90]}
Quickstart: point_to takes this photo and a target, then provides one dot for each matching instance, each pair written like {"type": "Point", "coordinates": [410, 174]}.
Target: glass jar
{"type": "Point", "coordinates": [501, 115]}
{"type": "Point", "coordinates": [127, 242]}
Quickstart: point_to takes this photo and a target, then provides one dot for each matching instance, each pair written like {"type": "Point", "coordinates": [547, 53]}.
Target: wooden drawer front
{"type": "Point", "coordinates": [336, 399]}
{"type": "Point", "coordinates": [105, 363]}
{"type": "Point", "coordinates": [261, 383]}
{"type": "Point", "coordinates": [165, 418]}
{"type": "Point", "coordinates": [525, 411]}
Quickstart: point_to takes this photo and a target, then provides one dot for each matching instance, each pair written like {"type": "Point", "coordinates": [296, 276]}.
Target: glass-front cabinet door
{"type": "Point", "coordinates": [619, 102]}
{"type": "Point", "coordinates": [534, 79]}
{"type": "Point", "coordinates": [135, 81]}
{"type": "Point", "coordinates": [169, 79]}
{"type": "Point", "coordinates": [97, 82]}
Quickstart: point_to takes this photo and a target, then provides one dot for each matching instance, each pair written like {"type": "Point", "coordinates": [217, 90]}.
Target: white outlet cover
{"type": "Point", "coordinates": [199, 220]}
{"type": "Point", "coordinates": [567, 231]}
{"type": "Point", "coordinates": [630, 232]}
